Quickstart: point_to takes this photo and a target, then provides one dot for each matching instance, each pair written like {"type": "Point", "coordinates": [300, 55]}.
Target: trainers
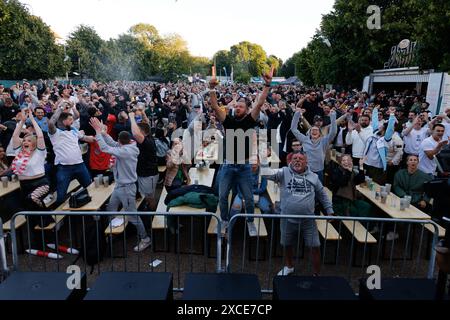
{"type": "Point", "coordinates": [143, 244]}
{"type": "Point", "coordinates": [224, 227]}
{"type": "Point", "coordinates": [285, 271]}
{"type": "Point", "coordinates": [374, 230]}
{"type": "Point", "coordinates": [391, 236]}
{"type": "Point", "coordinates": [252, 229]}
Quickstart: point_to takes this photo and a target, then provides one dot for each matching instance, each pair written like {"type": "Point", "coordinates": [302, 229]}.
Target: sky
{"type": "Point", "coordinates": [281, 27]}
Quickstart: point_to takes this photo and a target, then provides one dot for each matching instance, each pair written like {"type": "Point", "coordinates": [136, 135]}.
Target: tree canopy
{"type": "Point", "coordinates": [27, 45]}
{"type": "Point", "coordinates": [344, 49]}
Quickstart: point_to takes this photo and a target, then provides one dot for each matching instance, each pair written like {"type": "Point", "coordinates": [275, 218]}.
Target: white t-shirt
{"type": "Point", "coordinates": [414, 139]}
{"type": "Point", "coordinates": [425, 164]}
{"type": "Point", "coordinates": [36, 163]}
{"type": "Point", "coordinates": [66, 148]}
{"type": "Point", "coordinates": [340, 138]}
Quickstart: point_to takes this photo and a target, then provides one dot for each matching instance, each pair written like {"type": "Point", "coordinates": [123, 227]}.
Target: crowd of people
{"type": "Point", "coordinates": [52, 133]}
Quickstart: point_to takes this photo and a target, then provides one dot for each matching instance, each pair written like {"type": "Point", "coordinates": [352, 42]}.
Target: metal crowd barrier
{"type": "Point", "coordinates": [409, 255]}
{"type": "Point", "coordinates": [193, 259]}
{"type": "Point", "coordinates": [349, 254]}
{"type": "Point", "coordinates": [3, 262]}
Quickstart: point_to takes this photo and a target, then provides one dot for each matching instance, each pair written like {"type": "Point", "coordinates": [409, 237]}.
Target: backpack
{"type": "Point", "coordinates": [95, 240]}
{"type": "Point", "coordinates": [161, 148]}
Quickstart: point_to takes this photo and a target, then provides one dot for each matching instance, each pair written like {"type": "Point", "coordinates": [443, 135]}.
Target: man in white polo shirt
{"type": "Point", "coordinates": [68, 157]}
{"type": "Point", "coordinates": [429, 148]}
{"type": "Point", "coordinates": [357, 136]}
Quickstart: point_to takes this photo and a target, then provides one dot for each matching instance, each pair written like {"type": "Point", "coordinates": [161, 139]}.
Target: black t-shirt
{"type": "Point", "coordinates": [312, 109]}
{"type": "Point", "coordinates": [7, 113]}
{"type": "Point", "coordinates": [147, 161]}
{"type": "Point", "coordinates": [245, 124]}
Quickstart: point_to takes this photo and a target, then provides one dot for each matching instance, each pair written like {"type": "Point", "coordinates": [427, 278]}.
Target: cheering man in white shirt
{"type": "Point", "coordinates": [357, 136]}
{"type": "Point", "coordinates": [68, 157]}
{"type": "Point", "coordinates": [429, 148]}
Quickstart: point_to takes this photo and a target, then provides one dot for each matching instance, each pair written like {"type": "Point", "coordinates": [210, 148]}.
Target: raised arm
{"type": "Point", "coordinates": [375, 122]}
{"type": "Point", "coordinates": [330, 136]}
{"type": "Point", "coordinates": [306, 124]}
{"type": "Point", "coordinates": [220, 114]}
{"type": "Point", "coordinates": [76, 113]}
{"type": "Point", "coordinates": [275, 175]}
{"type": "Point", "coordinates": [53, 120]}
{"type": "Point", "coordinates": [101, 136]}
{"type": "Point", "coordinates": [17, 142]}
{"type": "Point", "coordinates": [408, 130]}
{"type": "Point", "coordinates": [294, 127]}
{"type": "Point", "coordinates": [391, 126]}
{"type": "Point", "coordinates": [40, 136]}
{"type": "Point", "coordinates": [137, 134]}
{"type": "Point", "coordinates": [262, 98]}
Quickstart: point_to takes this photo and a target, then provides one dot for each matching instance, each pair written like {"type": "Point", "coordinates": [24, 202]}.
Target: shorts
{"type": "Point", "coordinates": [290, 232]}
{"type": "Point", "coordinates": [147, 185]}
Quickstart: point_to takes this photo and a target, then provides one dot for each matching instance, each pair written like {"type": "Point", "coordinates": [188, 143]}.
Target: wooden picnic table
{"type": "Point", "coordinates": [204, 176]}
{"type": "Point", "coordinates": [12, 186]}
{"type": "Point", "coordinates": [394, 212]}
{"type": "Point", "coordinates": [99, 196]}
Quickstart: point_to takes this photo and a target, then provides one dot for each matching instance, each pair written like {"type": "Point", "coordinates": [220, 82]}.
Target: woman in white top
{"type": "Point", "coordinates": [29, 163]}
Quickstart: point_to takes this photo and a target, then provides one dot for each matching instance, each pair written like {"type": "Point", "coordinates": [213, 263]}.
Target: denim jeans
{"type": "Point", "coordinates": [65, 174]}
{"type": "Point", "coordinates": [232, 175]}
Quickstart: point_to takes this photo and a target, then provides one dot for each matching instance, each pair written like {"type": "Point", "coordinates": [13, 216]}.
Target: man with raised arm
{"type": "Point", "coordinates": [68, 157]}
{"type": "Point", "coordinates": [236, 170]}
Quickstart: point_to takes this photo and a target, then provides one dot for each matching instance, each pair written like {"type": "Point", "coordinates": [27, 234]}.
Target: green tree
{"type": "Point", "coordinates": [27, 46]}
{"type": "Point", "coordinates": [85, 47]}
{"type": "Point", "coordinates": [352, 50]}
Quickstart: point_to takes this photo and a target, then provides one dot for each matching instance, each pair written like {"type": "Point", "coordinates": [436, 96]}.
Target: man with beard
{"type": "Point", "coordinates": [237, 171]}
{"type": "Point", "coordinates": [299, 188]}
{"type": "Point", "coordinates": [357, 137]}
{"type": "Point", "coordinates": [68, 157]}
{"type": "Point", "coordinates": [147, 164]}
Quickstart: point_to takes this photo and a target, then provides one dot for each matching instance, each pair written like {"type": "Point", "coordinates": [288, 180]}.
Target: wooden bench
{"type": "Point", "coordinates": [430, 227]}
{"type": "Point", "coordinates": [120, 229]}
{"type": "Point", "coordinates": [159, 222]}
{"type": "Point", "coordinates": [19, 222]}
{"type": "Point", "coordinates": [59, 218]}
{"type": "Point", "coordinates": [358, 231]}
{"type": "Point", "coordinates": [327, 231]}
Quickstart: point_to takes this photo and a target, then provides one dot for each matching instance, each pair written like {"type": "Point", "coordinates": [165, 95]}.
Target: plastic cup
{"type": "Point", "coordinates": [5, 182]}
{"type": "Point", "coordinates": [14, 178]}
{"type": "Point", "coordinates": [333, 152]}
{"type": "Point", "coordinates": [106, 181]}
{"type": "Point", "coordinates": [342, 151]}
{"type": "Point", "coordinates": [97, 182]}
{"type": "Point", "coordinates": [383, 197]}
{"type": "Point", "coordinates": [383, 189]}
{"type": "Point", "coordinates": [392, 201]}
{"type": "Point", "coordinates": [388, 188]}
{"type": "Point", "coordinates": [408, 201]}
{"type": "Point", "coordinates": [403, 204]}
